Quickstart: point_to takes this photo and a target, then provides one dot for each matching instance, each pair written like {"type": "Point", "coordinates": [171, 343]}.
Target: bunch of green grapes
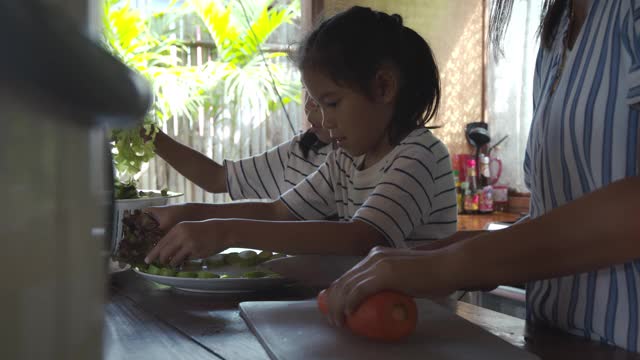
{"type": "Point", "coordinates": [133, 147]}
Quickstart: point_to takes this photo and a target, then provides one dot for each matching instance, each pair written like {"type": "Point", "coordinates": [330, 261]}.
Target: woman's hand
{"type": "Point", "coordinates": [189, 240]}
{"type": "Point", "coordinates": [415, 273]}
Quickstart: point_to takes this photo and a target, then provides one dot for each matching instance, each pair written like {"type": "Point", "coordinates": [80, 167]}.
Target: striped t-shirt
{"type": "Point", "coordinates": [409, 195]}
{"type": "Point", "coordinates": [272, 173]}
{"type": "Point", "coordinates": [584, 137]}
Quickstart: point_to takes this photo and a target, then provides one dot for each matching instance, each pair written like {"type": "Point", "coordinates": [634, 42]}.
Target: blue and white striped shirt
{"type": "Point", "coordinates": [583, 137]}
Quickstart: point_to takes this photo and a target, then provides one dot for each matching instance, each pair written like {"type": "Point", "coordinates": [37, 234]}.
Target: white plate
{"type": "Point", "coordinates": [151, 195]}
{"type": "Point", "coordinates": [216, 285]}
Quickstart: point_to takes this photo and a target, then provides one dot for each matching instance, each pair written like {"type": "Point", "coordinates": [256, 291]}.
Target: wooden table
{"type": "Point", "coordinates": [144, 320]}
{"type": "Point", "coordinates": [478, 221]}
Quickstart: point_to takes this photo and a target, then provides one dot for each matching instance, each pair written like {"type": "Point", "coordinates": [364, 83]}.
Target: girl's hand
{"type": "Point", "coordinates": [415, 273]}
{"type": "Point", "coordinates": [148, 132]}
{"type": "Point", "coordinates": [189, 240]}
{"type": "Point", "coordinates": [167, 216]}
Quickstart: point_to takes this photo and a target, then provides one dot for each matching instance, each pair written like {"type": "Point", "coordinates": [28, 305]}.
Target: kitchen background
{"type": "Point", "coordinates": [476, 86]}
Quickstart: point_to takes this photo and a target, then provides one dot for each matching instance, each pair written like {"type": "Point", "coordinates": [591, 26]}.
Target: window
{"type": "Point", "coordinates": [510, 88]}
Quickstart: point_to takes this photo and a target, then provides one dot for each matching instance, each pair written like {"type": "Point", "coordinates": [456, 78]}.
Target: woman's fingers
{"type": "Point", "coordinates": [341, 287]}
{"type": "Point", "coordinates": [361, 290]}
{"type": "Point", "coordinates": [365, 283]}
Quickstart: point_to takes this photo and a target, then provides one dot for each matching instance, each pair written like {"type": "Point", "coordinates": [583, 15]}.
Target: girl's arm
{"type": "Point", "coordinates": [192, 164]}
{"type": "Point", "coordinates": [268, 226]}
{"type": "Point", "coordinates": [170, 215]}
{"type": "Point", "coordinates": [304, 237]}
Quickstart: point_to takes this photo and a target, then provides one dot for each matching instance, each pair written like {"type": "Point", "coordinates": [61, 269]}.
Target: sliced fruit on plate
{"type": "Point", "coordinates": [264, 256]}
{"type": "Point", "coordinates": [248, 257]}
{"type": "Point", "coordinates": [167, 272]}
{"type": "Point", "coordinates": [186, 274]}
{"type": "Point", "coordinates": [231, 258]}
{"type": "Point", "coordinates": [207, 275]}
{"type": "Point", "coordinates": [193, 265]}
{"type": "Point", "coordinates": [255, 274]}
{"type": "Point", "coordinates": [215, 261]}
{"type": "Point", "coordinates": [153, 270]}
{"type": "Point", "coordinates": [244, 258]}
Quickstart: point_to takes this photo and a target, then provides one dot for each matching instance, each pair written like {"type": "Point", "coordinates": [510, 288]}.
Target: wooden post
{"type": "Point", "coordinates": [311, 10]}
{"type": "Point", "coordinates": [311, 14]}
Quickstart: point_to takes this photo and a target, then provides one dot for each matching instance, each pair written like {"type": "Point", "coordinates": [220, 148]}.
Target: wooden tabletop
{"type": "Point", "coordinates": [468, 222]}
{"type": "Point", "coordinates": [144, 320]}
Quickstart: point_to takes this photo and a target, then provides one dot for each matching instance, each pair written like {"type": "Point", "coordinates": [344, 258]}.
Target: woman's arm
{"type": "Point", "coordinates": [598, 230]}
{"type": "Point", "coordinates": [193, 165]}
{"type": "Point", "coordinates": [458, 236]}
{"type": "Point", "coordinates": [595, 231]}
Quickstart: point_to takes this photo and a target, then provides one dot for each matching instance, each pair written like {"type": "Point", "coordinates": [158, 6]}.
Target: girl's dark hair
{"type": "Point", "coordinates": [309, 141]}
{"type": "Point", "coordinates": [352, 46]}
{"type": "Point", "coordinates": [550, 17]}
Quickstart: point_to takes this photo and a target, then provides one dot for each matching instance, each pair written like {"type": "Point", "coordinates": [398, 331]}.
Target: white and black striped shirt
{"type": "Point", "coordinates": [409, 195]}
{"type": "Point", "coordinates": [272, 173]}
{"type": "Point", "coordinates": [583, 137]}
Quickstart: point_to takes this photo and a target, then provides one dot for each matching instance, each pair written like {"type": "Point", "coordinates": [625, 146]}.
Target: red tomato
{"type": "Point", "coordinates": [386, 316]}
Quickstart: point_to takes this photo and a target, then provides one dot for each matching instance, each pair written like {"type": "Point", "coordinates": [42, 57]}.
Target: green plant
{"type": "Point", "coordinates": [239, 30]}
{"type": "Point", "coordinates": [234, 80]}
{"type": "Point", "coordinates": [155, 53]}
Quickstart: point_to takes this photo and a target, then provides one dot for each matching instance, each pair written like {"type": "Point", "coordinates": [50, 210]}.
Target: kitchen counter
{"type": "Point", "coordinates": [144, 320]}
{"type": "Point", "coordinates": [479, 221]}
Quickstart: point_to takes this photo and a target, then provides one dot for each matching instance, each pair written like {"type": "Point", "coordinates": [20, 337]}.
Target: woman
{"type": "Point", "coordinates": [579, 251]}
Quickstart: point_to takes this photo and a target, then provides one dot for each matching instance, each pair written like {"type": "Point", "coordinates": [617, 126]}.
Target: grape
{"type": "Point", "coordinates": [186, 274]}
{"type": "Point", "coordinates": [167, 272]}
{"type": "Point", "coordinates": [207, 275]}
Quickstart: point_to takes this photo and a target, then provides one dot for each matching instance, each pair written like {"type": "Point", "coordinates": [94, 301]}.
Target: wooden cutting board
{"type": "Point", "coordinates": [296, 330]}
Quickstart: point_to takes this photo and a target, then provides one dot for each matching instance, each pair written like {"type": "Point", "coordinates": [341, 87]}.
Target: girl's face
{"type": "Point", "coordinates": [356, 122]}
{"type": "Point", "coordinates": [314, 116]}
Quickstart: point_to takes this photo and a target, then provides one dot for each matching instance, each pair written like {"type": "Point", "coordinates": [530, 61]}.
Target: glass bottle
{"type": "Point", "coordinates": [471, 198]}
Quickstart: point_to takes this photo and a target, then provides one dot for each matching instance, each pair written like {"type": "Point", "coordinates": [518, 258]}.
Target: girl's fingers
{"type": "Point", "coordinates": [169, 251]}
{"type": "Point", "coordinates": [180, 257]}
{"type": "Point", "coordinates": [158, 253]}
{"type": "Point", "coordinates": [155, 251]}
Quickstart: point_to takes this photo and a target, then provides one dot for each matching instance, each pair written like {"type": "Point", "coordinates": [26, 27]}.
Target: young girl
{"type": "Point", "coordinates": [390, 180]}
{"type": "Point", "coordinates": [265, 176]}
